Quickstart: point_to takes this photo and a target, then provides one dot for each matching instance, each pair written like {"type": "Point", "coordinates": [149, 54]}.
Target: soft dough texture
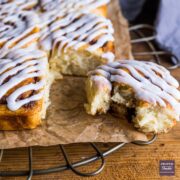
{"type": "Point", "coordinates": [144, 92]}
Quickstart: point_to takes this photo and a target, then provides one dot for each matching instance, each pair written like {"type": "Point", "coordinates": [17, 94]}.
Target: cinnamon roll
{"type": "Point", "coordinates": [23, 77]}
{"type": "Point", "coordinates": [144, 92]}
{"type": "Point", "coordinates": [80, 42]}
{"type": "Point", "coordinates": [18, 29]}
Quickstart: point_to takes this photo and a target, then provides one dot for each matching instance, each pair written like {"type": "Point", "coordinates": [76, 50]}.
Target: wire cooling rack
{"type": "Point", "coordinates": [137, 31]}
{"type": "Point", "coordinates": [172, 62]}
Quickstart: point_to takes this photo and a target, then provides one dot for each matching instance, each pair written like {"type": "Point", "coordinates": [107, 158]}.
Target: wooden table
{"type": "Point", "coordinates": [130, 162]}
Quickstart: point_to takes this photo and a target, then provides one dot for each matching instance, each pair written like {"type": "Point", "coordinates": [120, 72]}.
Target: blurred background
{"type": "Point", "coordinates": [140, 11]}
{"type": "Point", "coordinates": [163, 15]}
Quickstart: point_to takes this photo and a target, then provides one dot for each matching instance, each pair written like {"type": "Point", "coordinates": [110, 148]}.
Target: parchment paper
{"type": "Point", "coordinates": [67, 121]}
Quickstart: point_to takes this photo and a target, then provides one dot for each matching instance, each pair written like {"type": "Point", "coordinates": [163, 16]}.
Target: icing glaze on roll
{"type": "Point", "coordinates": [19, 66]}
{"type": "Point", "coordinates": [151, 82]}
{"type": "Point", "coordinates": [22, 4]}
{"type": "Point", "coordinates": [18, 29]}
{"type": "Point", "coordinates": [78, 30]}
{"type": "Point", "coordinates": [72, 5]}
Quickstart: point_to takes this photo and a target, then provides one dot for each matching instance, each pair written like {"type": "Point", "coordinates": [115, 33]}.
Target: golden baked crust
{"type": "Point", "coordinates": [28, 117]}
{"type": "Point", "coordinates": [101, 11]}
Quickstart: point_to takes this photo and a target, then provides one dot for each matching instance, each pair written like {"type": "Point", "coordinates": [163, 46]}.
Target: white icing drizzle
{"type": "Point", "coordinates": [78, 29]}
{"type": "Point", "coordinates": [72, 5]}
{"type": "Point", "coordinates": [151, 82]}
{"type": "Point", "coordinates": [21, 4]}
{"type": "Point", "coordinates": [17, 29]}
{"type": "Point", "coordinates": [19, 66]}
{"type": "Point", "coordinates": [109, 55]}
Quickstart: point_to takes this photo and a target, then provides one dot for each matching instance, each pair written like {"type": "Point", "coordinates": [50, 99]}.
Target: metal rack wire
{"type": "Point", "coordinates": [71, 166]}
{"type": "Point", "coordinates": [138, 30]}
{"type": "Point", "coordinates": [100, 155]}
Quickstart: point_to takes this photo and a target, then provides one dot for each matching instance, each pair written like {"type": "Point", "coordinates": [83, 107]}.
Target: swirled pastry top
{"type": "Point", "coordinates": [22, 4]}
{"type": "Point", "coordinates": [17, 29]}
{"type": "Point", "coordinates": [150, 82]}
{"type": "Point", "coordinates": [22, 77]}
{"type": "Point", "coordinates": [66, 6]}
{"type": "Point", "coordinates": [79, 30]}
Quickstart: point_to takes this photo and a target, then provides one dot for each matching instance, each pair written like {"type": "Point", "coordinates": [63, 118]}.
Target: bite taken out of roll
{"type": "Point", "coordinates": [143, 92]}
